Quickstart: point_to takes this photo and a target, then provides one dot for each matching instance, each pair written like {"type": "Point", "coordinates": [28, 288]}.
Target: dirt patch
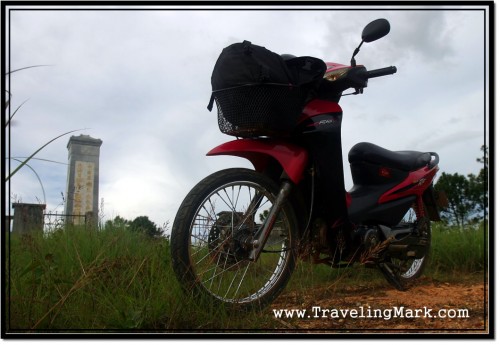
{"type": "Point", "coordinates": [428, 307]}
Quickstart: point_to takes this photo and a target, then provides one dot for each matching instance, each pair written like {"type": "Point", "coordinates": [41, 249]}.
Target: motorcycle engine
{"type": "Point", "coordinates": [333, 242]}
{"type": "Point", "coordinates": [320, 231]}
{"type": "Point", "coordinates": [371, 238]}
{"type": "Point", "coordinates": [367, 237]}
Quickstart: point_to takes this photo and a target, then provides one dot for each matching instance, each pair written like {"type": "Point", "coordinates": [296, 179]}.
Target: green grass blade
{"type": "Point", "coordinates": [14, 113]}
{"type": "Point", "coordinates": [40, 149]}
{"type": "Point", "coordinates": [20, 69]}
{"type": "Point", "coordinates": [38, 177]}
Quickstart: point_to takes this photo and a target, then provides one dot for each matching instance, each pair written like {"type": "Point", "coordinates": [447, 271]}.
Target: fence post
{"type": "Point", "coordinates": [28, 218]}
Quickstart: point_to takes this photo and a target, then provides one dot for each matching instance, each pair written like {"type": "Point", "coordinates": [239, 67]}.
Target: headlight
{"type": "Point", "coordinates": [336, 74]}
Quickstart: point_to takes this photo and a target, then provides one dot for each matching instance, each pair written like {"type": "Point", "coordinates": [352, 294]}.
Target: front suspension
{"type": "Point", "coordinates": [261, 236]}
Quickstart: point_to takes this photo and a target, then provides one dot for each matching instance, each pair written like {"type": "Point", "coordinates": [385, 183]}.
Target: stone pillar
{"type": "Point", "coordinates": [82, 191]}
{"type": "Point", "coordinates": [27, 218]}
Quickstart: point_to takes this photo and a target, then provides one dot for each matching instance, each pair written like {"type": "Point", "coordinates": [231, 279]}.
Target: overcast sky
{"type": "Point", "coordinates": [139, 80]}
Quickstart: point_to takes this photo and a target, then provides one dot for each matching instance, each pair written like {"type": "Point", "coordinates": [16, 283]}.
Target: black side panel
{"type": "Point", "coordinates": [365, 209]}
{"type": "Point", "coordinates": [364, 198]}
{"type": "Point", "coordinates": [322, 139]}
{"type": "Point", "coordinates": [391, 213]}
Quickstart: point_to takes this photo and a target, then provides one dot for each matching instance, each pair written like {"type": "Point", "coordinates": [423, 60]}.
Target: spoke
{"type": "Point", "coordinates": [211, 251]}
{"type": "Point", "coordinates": [238, 196]}
{"type": "Point", "coordinates": [219, 267]}
{"type": "Point", "coordinates": [232, 282]}
{"type": "Point", "coordinates": [230, 206]}
{"type": "Point", "coordinates": [253, 211]}
{"type": "Point", "coordinates": [241, 280]}
{"type": "Point", "coordinates": [202, 218]}
{"type": "Point", "coordinates": [230, 199]}
{"type": "Point", "coordinates": [224, 270]}
{"type": "Point", "coordinates": [215, 270]}
{"type": "Point", "coordinates": [200, 238]}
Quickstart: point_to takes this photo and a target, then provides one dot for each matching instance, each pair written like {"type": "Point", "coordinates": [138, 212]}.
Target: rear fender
{"type": "Point", "coordinates": [430, 203]}
{"type": "Point", "coordinates": [292, 158]}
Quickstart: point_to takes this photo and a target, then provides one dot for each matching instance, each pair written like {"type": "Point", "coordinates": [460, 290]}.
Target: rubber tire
{"type": "Point", "coordinates": [181, 232]}
{"type": "Point", "coordinates": [408, 280]}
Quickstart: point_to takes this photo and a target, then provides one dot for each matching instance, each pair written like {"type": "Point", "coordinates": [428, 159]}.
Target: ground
{"type": "Point", "coordinates": [430, 306]}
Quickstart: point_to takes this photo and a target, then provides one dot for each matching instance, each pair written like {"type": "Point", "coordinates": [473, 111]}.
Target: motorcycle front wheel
{"type": "Point", "coordinates": [211, 234]}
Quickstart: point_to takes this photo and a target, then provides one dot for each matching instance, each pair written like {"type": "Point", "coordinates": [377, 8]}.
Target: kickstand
{"type": "Point", "coordinates": [391, 277]}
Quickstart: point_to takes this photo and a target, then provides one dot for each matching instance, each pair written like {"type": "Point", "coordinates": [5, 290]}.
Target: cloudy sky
{"type": "Point", "coordinates": [139, 80]}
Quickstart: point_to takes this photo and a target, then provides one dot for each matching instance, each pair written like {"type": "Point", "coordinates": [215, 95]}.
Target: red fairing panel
{"type": "Point", "coordinates": [317, 107]}
{"type": "Point", "coordinates": [415, 184]}
{"type": "Point", "coordinates": [292, 158]}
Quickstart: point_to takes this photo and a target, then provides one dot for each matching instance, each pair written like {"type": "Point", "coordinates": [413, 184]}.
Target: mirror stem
{"type": "Point", "coordinates": [356, 51]}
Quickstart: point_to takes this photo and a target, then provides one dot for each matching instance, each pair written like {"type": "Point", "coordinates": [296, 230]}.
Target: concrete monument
{"type": "Point", "coordinates": [82, 192]}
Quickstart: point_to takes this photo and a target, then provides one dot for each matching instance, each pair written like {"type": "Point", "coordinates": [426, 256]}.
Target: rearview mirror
{"type": "Point", "coordinates": [375, 30]}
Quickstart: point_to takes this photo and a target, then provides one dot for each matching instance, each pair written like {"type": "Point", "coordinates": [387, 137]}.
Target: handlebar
{"type": "Point", "coordinates": [381, 72]}
{"type": "Point", "coordinates": [356, 78]}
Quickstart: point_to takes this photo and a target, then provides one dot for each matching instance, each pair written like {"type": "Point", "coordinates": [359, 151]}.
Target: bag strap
{"type": "Point", "coordinates": [211, 103]}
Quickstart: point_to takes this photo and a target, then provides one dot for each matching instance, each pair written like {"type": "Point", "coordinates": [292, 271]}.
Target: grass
{"type": "Point", "coordinates": [116, 279]}
{"type": "Point", "coordinates": [101, 280]}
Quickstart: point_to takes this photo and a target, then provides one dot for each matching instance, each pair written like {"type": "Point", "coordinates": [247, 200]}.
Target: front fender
{"type": "Point", "coordinates": [292, 158]}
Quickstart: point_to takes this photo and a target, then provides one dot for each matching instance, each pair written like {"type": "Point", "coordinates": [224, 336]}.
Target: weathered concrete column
{"type": "Point", "coordinates": [82, 192]}
{"type": "Point", "coordinates": [28, 218]}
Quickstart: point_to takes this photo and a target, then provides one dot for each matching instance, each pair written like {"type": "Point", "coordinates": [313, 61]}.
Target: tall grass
{"type": "Point", "coordinates": [116, 279]}
{"type": "Point", "coordinates": [456, 251]}
{"type": "Point", "coordinates": [456, 254]}
{"type": "Point", "coordinates": [101, 280]}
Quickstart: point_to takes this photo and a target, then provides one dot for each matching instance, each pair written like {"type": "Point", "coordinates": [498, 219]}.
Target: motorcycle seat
{"type": "Point", "coordinates": [403, 160]}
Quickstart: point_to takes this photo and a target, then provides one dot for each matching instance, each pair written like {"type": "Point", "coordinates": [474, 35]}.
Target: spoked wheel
{"type": "Point", "coordinates": [212, 240]}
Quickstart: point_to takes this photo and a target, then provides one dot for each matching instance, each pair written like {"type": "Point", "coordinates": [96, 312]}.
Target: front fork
{"type": "Point", "coordinates": [260, 238]}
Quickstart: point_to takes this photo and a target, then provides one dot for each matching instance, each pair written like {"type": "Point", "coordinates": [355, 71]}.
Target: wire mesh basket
{"type": "Point", "coordinates": [259, 110]}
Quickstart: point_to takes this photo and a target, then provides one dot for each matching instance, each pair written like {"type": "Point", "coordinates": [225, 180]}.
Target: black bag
{"type": "Point", "coordinates": [258, 93]}
{"type": "Point", "coordinates": [247, 64]}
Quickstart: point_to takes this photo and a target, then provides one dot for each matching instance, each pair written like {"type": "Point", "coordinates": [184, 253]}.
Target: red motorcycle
{"type": "Point", "coordinates": [239, 233]}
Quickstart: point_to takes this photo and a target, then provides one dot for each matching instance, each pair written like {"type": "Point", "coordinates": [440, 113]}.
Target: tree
{"type": "Point", "coordinates": [482, 180]}
{"type": "Point", "coordinates": [461, 202]}
{"type": "Point", "coordinates": [144, 225]}
{"type": "Point", "coordinates": [118, 222]}
{"type": "Point", "coordinates": [467, 195]}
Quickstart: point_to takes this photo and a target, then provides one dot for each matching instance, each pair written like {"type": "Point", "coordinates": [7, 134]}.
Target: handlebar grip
{"type": "Point", "coordinates": [381, 72]}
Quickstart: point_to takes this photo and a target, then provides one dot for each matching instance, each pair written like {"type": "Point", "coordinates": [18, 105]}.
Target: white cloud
{"type": "Point", "coordinates": [140, 81]}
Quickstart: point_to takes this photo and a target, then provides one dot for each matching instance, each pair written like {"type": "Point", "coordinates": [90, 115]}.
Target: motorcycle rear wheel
{"type": "Point", "coordinates": [210, 236]}
{"type": "Point", "coordinates": [411, 269]}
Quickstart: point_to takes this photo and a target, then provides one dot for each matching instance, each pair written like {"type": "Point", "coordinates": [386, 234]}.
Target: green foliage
{"type": "Point", "coordinates": [113, 279]}
{"type": "Point", "coordinates": [482, 177]}
{"type": "Point", "coordinates": [458, 251]}
{"type": "Point", "coordinates": [467, 195]}
{"type": "Point", "coordinates": [117, 223]}
{"type": "Point", "coordinates": [464, 198]}
{"type": "Point", "coordinates": [143, 225]}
